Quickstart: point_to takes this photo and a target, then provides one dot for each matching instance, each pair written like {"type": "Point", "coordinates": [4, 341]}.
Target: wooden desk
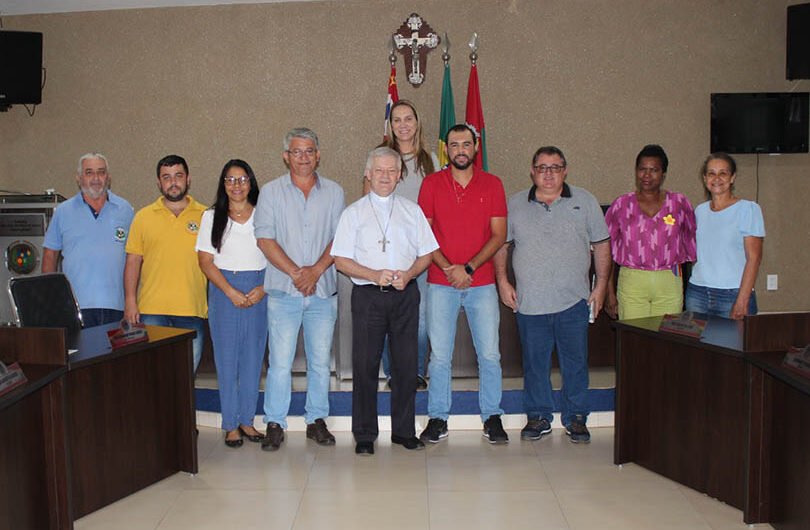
{"type": "Point", "coordinates": [33, 477]}
{"type": "Point", "coordinates": [715, 415]}
{"type": "Point", "coordinates": [781, 402]}
{"type": "Point", "coordinates": [130, 414]}
{"type": "Point", "coordinates": [34, 486]}
{"type": "Point", "coordinates": [681, 407]}
{"type": "Point", "coordinates": [93, 428]}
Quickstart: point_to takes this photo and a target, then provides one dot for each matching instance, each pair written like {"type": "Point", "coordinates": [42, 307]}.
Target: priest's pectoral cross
{"type": "Point", "coordinates": [384, 242]}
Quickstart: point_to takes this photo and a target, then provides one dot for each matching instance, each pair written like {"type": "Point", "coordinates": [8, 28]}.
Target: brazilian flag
{"type": "Point", "coordinates": [447, 117]}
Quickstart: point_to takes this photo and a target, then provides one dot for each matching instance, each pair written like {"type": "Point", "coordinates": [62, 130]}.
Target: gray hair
{"type": "Point", "coordinates": [381, 152]}
{"type": "Point", "coordinates": [300, 132]}
{"type": "Point", "coordinates": [90, 156]}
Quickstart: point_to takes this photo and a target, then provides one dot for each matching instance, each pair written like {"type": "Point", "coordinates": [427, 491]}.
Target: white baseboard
{"type": "Point", "coordinates": [461, 422]}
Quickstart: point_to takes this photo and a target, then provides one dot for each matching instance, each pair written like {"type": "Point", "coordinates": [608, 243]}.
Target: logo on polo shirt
{"type": "Point", "coordinates": [120, 234]}
{"type": "Point", "coordinates": [193, 227]}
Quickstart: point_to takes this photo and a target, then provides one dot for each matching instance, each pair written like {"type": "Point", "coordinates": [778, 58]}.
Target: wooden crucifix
{"type": "Point", "coordinates": [414, 39]}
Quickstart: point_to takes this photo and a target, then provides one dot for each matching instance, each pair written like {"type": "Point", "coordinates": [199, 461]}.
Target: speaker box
{"type": "Point", "coordinates": [20, 67]}
{"type": "Point", "coordinates": [798, 41]}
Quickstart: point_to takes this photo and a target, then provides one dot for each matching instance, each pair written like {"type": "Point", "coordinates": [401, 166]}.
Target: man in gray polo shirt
{"type": "Point", "coordinates": [553, 228]}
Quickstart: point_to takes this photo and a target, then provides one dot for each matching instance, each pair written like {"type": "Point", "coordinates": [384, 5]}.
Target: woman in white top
{"type": "Point", "coordinates": [417, 162]}
{"type": "Point", "coordinates": [730, 232]}
{"type": "Point", "coordinates": [237, 313]}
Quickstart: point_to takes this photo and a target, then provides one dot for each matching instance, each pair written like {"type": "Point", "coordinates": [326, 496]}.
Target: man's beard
{"type": "Point", "coordinates": [93, 194]}
{"type": "Point", "coordinates": [176, 198]}
{"type": "Point", "coordinates": [462, 166]}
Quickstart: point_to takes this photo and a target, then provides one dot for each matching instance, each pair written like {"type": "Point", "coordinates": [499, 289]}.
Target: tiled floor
{"type": "Point", "coordinates": [462, 483]}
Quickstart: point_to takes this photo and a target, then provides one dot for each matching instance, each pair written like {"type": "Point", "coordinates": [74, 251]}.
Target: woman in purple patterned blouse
{"type": "Point", "coordinates": [652, 234]}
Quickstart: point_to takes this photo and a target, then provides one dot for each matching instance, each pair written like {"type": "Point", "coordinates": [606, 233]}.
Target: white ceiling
{"type": "Point", "coordinates": [28, 7]}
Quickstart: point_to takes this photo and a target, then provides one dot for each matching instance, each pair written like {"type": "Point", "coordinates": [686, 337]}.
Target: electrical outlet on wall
{"type": "Point", "coordinates": [773, 282]}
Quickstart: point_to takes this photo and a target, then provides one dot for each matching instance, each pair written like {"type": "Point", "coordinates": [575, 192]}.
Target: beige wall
{"type": "Point", "coordinates": [598, 79]}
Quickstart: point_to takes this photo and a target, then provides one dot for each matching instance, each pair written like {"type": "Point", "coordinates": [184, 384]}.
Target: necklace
{"type": "Point", "coordinates": [460, 190]}
{"type": "Point", "coordinates": [384, 232]}
{"type": "Point", "coordinates": [239, 213]}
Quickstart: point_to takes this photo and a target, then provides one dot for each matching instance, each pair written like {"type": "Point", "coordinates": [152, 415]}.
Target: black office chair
{"type": "Point", "coordinates": [45, 301]}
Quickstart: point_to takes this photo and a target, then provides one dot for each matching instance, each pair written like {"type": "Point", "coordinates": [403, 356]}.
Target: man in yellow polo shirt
{"type": "Point", "coordinates": [163, 284]}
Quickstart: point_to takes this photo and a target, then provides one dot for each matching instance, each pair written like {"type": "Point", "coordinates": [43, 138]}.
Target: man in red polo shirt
{"type": "Point", "coordinates": [466, 208]}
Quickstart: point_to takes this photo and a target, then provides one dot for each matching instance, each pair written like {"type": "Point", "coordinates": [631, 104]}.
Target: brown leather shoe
{"type": "Point", "coordinates": [275, 435]}
{"type": "Point", "coordinates": [317, 431]}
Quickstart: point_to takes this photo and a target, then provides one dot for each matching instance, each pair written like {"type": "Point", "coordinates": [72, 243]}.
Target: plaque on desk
{"type": "Point", "coordinates": [127, 334]}
{"type": "Point", "coordinates": [683, 324]}
{"type": "Point", "coordinates": [799, 359]}
{"type": "Point", "coordinates": [11, 377]}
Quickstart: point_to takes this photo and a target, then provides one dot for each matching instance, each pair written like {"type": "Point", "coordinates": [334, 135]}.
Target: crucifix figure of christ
{"type": "Point", "coordinates": [414, 39]}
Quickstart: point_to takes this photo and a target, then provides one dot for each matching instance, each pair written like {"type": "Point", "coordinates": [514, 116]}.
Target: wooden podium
{"type": "Point", "coordinates": [106, 423]}
{"type": "Point", "coordinates": [719, 414]}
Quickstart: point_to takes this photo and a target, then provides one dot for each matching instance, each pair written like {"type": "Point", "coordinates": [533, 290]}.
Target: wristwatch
{"type": "Point", "coordinates": [468, 269]}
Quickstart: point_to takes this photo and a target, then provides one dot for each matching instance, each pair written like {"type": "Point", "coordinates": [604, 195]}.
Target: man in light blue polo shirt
{"type": "Point", "coordinates": [295, 222]}
{"type": "Point", "coordinates": [90, 231]}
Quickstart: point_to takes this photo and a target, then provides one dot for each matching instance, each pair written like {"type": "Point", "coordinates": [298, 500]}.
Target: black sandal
{"type": "Point", "coordinates": [234, 443]}
{"type": "Point", "coordinates": [256, 438]}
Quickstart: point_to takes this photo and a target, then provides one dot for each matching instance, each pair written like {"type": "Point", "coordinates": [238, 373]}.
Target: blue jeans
{"type": "Point", "coordinates": [285, 315]}
{"type": "Point", "coordinates": [422, 337]}
{"type": "Point", "coordinates": [239, 337]}
{"type": "Point", "coordinates": [567, 332]}
{"type": "Point", "coordinates": [483, 315]}
{"type": "Point", "coordinates": [97, 316]}
{"type": "Point", "coordinates": [713, 301]}
{"type": "Point", "coordinates": [194, 323]}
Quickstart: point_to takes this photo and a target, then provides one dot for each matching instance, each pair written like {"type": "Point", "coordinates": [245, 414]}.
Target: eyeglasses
{"type": "Point", "coordinates": [553, 170]}
{"type": "Point", "coordinates": [298, 153]}
{"type": "Point", "coordinates": [102, 172]}
{"type": "Point", "coordinates": [233, 181]}
{"type": "Point", "coordinates": [723, 174]}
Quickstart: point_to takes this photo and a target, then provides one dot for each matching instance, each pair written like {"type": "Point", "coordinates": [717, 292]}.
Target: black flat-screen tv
{"type": "Point", "coordinates": [20, 67]}
{"type": "Point", "coordinates": [766, 122]}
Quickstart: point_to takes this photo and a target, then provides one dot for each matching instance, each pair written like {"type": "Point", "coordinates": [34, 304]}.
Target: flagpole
{"type": "Point", "coordinates": [392, 56]}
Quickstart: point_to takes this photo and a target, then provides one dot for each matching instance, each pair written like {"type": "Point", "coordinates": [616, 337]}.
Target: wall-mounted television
{"type": "Point", "coordinates": [765, 122]}
{"type": "Point", "coordinates": [20, 68]}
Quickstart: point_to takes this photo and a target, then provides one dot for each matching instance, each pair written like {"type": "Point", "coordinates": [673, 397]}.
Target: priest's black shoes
{"type": "Point", "coordinates": [364, 448]}
{"type": "Point", "coordinates": [412, 443]}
